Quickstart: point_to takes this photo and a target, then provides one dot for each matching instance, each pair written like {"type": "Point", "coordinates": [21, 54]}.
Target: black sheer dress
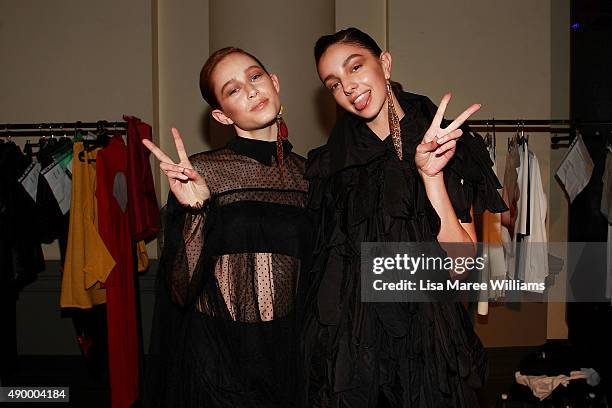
{"type": "Point", "coordinates": [388, 354]}
{"type": "Point", "coordinates": [230, 284]}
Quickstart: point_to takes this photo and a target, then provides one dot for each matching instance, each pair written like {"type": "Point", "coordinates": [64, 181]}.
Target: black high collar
{"type": "Point", "coordinates": [259, 150]}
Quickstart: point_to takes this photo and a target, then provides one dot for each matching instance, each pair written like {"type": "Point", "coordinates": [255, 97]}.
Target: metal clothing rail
{"type": "Point", "coordinates": [58, 129]}
{"type": "Point", "coordinates": [537, 122]}
{"type": "Point", "coordinates": [552, 126]}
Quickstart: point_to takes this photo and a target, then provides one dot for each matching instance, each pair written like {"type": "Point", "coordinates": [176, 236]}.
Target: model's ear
{"type": "Point", "coordinates": [275, 82]}
{"type": "Point", "coordinates": [386, 62]}
{"type": "Point", "coordinates": [221, 117]}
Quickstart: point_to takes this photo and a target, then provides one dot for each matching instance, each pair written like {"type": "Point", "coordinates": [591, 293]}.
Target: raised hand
{"type": "Point", "coordinates": [188, 186]}
{"type": "Point", "coordinates": [438, 145]}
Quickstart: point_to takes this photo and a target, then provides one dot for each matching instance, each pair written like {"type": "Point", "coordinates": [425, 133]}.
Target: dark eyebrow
{"type": "Point", "coordinates": [344, 64]}
{"type": "Point", "coordinates": [226, 84]}
{"type": "Point", "coordinates": [233, 79]}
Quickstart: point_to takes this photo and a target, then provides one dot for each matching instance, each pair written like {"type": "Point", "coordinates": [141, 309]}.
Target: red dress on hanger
{"type": "Point", "coordinates": [143, 209]}
{"type": "Point", "coordinates": [114, 228]}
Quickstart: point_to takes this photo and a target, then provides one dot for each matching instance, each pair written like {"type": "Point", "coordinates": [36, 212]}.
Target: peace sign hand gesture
{"type": "Point", "coordinates": [438, 145]}
{"type": "Point", "coordinates": [188, 186]}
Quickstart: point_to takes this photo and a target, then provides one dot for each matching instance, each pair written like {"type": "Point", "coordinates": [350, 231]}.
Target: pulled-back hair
{"type": "Point", "coordinates": [206, 86]}
{"type": "Point", "coordinates": [351, 36]}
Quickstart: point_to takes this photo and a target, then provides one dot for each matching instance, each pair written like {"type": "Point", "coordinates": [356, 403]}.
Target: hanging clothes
{"type": "Point", "coordinates": [114, 227]}
{"type": "Point", "coordinates": [576, 168]}
{"type": "Point", "coordinates": [88, 261]}
{"type": "Point", "coordinates": [21, 257]}
{"type": "Point", "coordinates": [143, 209]}
{"type": "Point", "coordinates": [527, 260]}
{"type": "Point", "coordinates": [53, 224]}
{"type": "Point", "coordinates": [522, 217]}
{"type": "Point", "coordinates": [511, 194]}
{"type": "Point", "coordinates": [492, 251]}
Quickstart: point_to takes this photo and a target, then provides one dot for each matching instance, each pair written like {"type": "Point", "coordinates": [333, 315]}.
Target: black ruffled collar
{"type": "Point", "coordinates": [259, 150]}
{"type": "Point", "coordinates": [353, 143]}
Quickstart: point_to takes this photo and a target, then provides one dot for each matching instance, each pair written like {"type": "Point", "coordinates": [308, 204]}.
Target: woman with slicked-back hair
{"type": "Point", "coordinates": [235, 256]}
{"type": "Point", "coordinates": [391, 171]}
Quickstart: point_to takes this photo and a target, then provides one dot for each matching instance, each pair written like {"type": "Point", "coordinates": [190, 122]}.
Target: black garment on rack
{"type": "Point", "coordinates": [366, 355]}
{"type": "Point", "coordinates": [225, 336]}
{"type": "Point", "coordinates": [21, 257]}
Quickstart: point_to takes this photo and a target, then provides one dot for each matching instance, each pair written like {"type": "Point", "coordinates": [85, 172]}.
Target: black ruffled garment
{"type": "Point", "coordinates": [230, 284]}
{"type": "Point", "coordinates": [388, 354]}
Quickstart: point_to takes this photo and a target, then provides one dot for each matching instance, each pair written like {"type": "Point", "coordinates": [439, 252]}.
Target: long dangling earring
{"type": "Point", "coordinates": [282, 133]}
{"type": "Point", "coordinates": [394, 125]}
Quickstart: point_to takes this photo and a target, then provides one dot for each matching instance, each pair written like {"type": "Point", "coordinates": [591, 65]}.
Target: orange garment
{"type": "Point", "coordinates": [88, 261]}
{"type": "Point", "coordinates": [141, 256]}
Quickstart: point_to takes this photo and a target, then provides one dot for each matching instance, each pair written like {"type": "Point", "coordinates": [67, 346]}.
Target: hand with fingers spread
{"type": "Point", "coordinates": [188, 186]}
{"type": "Point", "coordinates": [438, 144]}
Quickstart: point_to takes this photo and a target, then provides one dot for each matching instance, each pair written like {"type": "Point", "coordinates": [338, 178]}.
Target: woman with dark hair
{"type": "Point", "coordinates": [236, 249]}
{"type": "Point", "coordinates": [390, 172]}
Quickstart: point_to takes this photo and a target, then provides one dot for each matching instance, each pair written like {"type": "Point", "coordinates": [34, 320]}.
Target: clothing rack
{"type": "Point", "coordinates": [58, 129]}
{"type": "Point", "coordinates": [552, 126]}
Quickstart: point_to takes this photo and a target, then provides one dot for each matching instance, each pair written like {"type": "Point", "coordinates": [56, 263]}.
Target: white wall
{"type": "Point", "coordinates": [282, 35]}
{"type": "Point", "coordinates": [499, 54]}
{"type": "Point", "coordinates": [84, 60]}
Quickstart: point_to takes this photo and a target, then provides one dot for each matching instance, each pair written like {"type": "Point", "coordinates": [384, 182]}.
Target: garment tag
{"type": "Point", "coordinates": [60, 184]}
{"type": "Point", "coordinates": [29, 179]}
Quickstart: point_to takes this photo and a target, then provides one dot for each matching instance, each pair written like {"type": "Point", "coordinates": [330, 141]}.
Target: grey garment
{"type": "Point", "coordinates": [606, 193]}
{"type": "Point", "coordinates": [513, 161]}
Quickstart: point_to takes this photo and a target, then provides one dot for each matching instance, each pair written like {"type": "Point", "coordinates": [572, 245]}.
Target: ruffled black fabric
{"type": "Point", "coordinates": [388, 354]}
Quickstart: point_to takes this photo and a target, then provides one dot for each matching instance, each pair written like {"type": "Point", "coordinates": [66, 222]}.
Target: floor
{"type": "Point", "coordinates": [89, 392]}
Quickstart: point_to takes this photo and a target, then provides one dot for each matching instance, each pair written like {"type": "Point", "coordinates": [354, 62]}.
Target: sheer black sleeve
{"type": "Point", "coordinates": [183, 244]}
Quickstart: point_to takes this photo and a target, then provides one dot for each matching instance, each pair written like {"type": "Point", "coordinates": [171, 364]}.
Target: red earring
{"type": "Point", "coordinates": [281, 135]}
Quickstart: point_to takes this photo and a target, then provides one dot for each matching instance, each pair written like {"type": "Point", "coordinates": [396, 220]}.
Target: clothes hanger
{"type": "Point", "coordinates": [494, 138]}
{"type": "Point", "coordinates": [487, 136]}
{"type": "Point", "coordinates": [514, 140]}
{"type": "Point", "coordinates": [102, 139]}
{"type": "Point", "coordinates": [525, 135]}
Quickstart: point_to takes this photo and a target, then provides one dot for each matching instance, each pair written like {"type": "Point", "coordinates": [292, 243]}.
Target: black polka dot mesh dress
{"type": "Point", "coordinates": [230, 284]}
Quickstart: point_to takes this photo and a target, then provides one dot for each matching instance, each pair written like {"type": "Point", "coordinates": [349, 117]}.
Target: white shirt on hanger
{"type": "Point", "coordinates": [533, 257]}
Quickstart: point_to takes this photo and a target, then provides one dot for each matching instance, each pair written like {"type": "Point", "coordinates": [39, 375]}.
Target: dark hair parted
{"type": "Point", "coordinates": [349, 35]}
{"type": "Point", "coordinates": [352, 36]}
{"type": "Point", "coordinates": [206, 86]}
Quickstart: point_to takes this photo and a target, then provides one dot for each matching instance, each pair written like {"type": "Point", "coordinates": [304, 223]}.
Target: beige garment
{"type": "Point", "coordinates": [542, 386]}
